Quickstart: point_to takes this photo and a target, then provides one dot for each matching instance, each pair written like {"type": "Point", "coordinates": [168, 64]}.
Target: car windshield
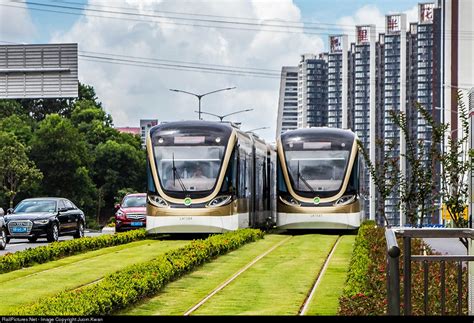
{"type": "Point", "coordinates": [36, 206]}
{"type": "Point", "coordinates": [134, 201]}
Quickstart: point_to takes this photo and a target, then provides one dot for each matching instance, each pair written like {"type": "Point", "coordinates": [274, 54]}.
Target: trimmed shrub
{"type": "Point", "coordinates": [128, 286]}
{"type": "Point", "coordinates": [60, 249]}
{"type": "Point", "coordinates": [365, 292]}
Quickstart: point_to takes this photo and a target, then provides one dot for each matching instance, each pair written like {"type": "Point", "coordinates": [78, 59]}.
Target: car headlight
{"type": "Point", "coordinates": [344, 200]}
{"type": "Point", "coordinates": [157, 201]}
{"type": "Point", "coordinates": [288, 200]}
{"type": "Point", "coordinates": [220, 201]}
{"type": "Point", "coordinates": [41, 221]}
{"type": "Point", "coordinates": [120, 213]}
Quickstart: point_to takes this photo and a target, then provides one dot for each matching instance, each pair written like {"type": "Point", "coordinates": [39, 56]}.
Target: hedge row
{"type": "Point", "coordinates": [128, 286]}
{"type": "Point", "coordinates": [56, 250]}
{"type": "Point", "coordinates": [365, 292]}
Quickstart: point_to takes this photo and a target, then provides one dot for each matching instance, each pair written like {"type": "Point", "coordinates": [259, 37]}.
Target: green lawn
{"type": "Point", "coordinates": [278, 283]}
{"type": "Point", "coordinates": [326, 297]}
{"type": "Point", "coordinates": [27, 285]}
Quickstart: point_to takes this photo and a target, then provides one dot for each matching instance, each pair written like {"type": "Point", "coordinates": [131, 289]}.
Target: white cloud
{"type": "Point", "coordinates": [130, 93]}
{"type": "Point", "coordinates": [15, 23]}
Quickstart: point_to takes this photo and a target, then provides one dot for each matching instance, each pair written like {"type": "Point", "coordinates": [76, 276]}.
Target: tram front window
{"type": "Point", "coordinates": [317, 171]}
{"type": "Point", "coordinates": [189, 168]}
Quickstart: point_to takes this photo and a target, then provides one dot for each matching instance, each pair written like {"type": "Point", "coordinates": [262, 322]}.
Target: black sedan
{"type": "Point", "coordinates": [48, 217]}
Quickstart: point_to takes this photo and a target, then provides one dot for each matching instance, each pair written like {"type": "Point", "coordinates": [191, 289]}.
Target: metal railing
{"type": "Point", "coordinates": [393, 268]}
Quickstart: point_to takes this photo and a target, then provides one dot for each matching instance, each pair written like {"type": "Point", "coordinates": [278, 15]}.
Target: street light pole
{"type": "Point", "coordinates": [200, 96]}
{"type": "Point", "coordinates": [223, 116]}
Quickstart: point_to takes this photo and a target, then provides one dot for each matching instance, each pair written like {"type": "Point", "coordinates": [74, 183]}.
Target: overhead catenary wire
{"type": "Point", "coordinates": [337, 29]}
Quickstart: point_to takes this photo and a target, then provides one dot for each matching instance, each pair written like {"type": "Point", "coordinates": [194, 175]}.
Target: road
{"type": "Point", "coordinates": [22, 244]}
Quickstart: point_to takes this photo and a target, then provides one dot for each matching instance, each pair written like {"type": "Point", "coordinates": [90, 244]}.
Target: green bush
{"type": "Point", "coordinates": [128, 286]}
{"type": "Point", "coordinates": [60, 249]}
{"type": "Point", "coordinates": [365, 292]}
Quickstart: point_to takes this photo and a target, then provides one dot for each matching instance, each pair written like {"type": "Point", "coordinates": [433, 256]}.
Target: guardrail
{"type": "Point", "coordinates": [393, 268]}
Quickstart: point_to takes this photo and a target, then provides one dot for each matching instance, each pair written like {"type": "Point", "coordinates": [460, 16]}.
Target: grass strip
{"type": "Point", "coordinates": [52, 280]}
{"type": "Point", "coordinates": [276, 285]}
{"type": "Point", "coordinates": [326, 297]}
{"type": "Point", "coordinates": [179, 296]}
{"type": "Point", "coordinates": [130, 285]}
{"type": "Point", "coordinates": [60, 249]}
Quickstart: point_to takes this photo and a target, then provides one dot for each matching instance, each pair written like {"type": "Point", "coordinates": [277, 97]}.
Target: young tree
{"type": "Point", "coordinates": [418, 186]}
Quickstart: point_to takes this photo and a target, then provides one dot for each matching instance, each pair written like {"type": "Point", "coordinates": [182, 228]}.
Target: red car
{"type": "Point", "coordinates": [131, 213]}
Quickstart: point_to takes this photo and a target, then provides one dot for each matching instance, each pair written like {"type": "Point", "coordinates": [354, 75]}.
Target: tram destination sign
{"type": "Point", "coordinates": [38, 71]}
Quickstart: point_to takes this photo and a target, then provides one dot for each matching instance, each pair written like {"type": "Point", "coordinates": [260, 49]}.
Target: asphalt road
{"type": "Point", "coordinates": [22, 244]}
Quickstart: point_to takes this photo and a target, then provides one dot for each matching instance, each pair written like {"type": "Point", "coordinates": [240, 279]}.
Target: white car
{"type": "Point", "coordinates": [3, 231]}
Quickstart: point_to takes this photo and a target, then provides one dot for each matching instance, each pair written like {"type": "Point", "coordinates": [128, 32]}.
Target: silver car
{"type": "Point", "coordinates": [3, 231]}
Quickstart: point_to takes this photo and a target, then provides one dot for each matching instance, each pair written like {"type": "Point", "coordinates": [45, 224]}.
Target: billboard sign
{"type": "Point", "coordinates": [335, 44]}
{"type": "Point", "coordinates": [393, 24]}
{"type": "Point", "coordinates": [425, 13]}
{"type": "Point", "coordinates": [363, 33]}
{"type": "Point", "coordinates": [38, 71]}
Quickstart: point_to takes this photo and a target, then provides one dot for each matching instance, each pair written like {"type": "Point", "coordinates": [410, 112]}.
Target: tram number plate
{"type": "Point", "coordinates": [316, 215]}
{"type": "Point", "coordinates": [185, 218]}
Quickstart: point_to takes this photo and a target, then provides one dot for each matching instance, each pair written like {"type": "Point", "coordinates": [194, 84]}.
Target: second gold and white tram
{"type": "Point", "coordinates": [318, 179]}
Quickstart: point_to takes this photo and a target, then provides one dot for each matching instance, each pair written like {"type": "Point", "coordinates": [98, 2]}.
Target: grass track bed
{"type": "Point", "coordinates": [180, 295]}
{"type": "Point", "coordinates": [326, 297]}
{"type": "Point", "coordinates": [28, 285]}
{"type": "Point", "coordinates": [277, 284]}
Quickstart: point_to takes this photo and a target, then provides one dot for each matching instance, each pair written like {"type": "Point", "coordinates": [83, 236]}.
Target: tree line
{"type": "Point", "coordinates": [67, 148]}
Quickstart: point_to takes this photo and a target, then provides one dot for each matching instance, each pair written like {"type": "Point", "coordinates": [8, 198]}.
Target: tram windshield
{"type": "Point", "coordinates": [189, 168]}
{"type": "Point", "coordinates": [189, 156]}
{"type": "Point", "coordinates": [317, 167]}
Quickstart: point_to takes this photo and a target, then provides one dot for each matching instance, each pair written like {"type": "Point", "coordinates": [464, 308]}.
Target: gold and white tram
{"type": "Point", "coordinates": [208, 177]}
{"type": "Point", "coordinates": [318, 179]}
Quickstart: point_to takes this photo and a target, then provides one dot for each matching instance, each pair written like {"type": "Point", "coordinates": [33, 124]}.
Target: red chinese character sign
{"type": "Point", "coordinates": [363, 34]}
{"type": "Point", "coordinates": [335, 44]}
{"type": "Point", "coordinates": [426, 12]}
{"type": "Point", "coordinates": [393, 24]}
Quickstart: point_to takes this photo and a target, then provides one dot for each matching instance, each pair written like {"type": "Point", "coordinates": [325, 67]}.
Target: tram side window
{"type": "Point", "coordinates": [242, 174]}
{"type": "Point", "coordinates": [151, 183]}
{"type": "Point", "coordinates": [353, 186]}
{"type": "Point", "coordinates": [230, 180]}
{"type": "Point", "coordinates": [280, 180]}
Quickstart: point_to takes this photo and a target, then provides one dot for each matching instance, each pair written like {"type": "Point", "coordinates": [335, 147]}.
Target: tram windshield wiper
{"type": "Point", "coordinates": [176, 176]}
{"type": "Point", "coordinates": [300, 177]}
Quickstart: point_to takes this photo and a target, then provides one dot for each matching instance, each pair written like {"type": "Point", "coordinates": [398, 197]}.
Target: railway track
{"type": "Point", "coordinates": [275, 279]}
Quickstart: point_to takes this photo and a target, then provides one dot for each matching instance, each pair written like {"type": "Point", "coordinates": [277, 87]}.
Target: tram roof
{"type": "Point", "coordinates": [319, 132]}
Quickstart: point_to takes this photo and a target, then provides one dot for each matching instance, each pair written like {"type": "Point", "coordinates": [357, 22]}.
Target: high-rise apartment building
{"type": "Point", "coordinates": [365, 103]}
{"type": "Point", "coordinates": [338, 82]}
{"type": "Point", "coordinates": [312, 91]}
{"type": "Point", "coordinates": [394, 84]}
{"type": "Point", "coordinates": [288, 100]}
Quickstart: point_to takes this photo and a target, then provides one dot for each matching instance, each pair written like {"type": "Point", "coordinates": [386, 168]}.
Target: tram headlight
{"type": "Point", "coordinates": [220, 201]}
{"type": "Point", "coordinates": [288, 200]}
{"type": "Point", "coordinates": [345, 199]}
{"type": "Point", "coordinates": [157, 201]}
